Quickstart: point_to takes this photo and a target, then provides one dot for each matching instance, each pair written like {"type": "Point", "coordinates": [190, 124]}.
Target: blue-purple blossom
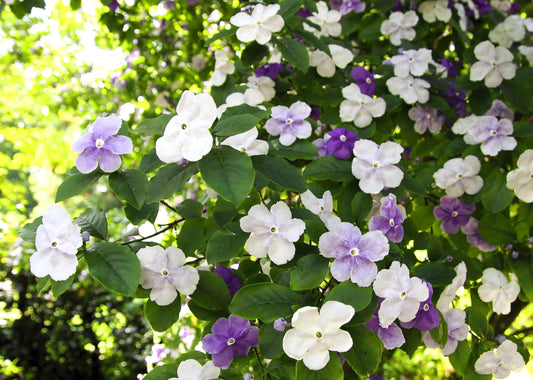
{"type": "Point", "coordinates": [426, 118]}
{"type": "Point", "coordinates": [289, 123]}
{"type": "Point", "coordinates": [315, 112]}
{"type": "Point", "coordinates": [270, 70]}
{"type": "Point", "coordinates": [304, 13]}
{"type": "Point", "coordinates": [391, 336]}
{"type": "Point", "coordinates": [229, 338]}
{"type": "Point", "coordinates": [427, 317]}
{"type": "Point", "coordinates": [454, 213]}
{"type": "Point", "coordinates": [364, 79]}
{"type": "Point", "coordinates": [354, 253]}
{"type": "Point", "coordinates": [483, 6]}
{"type": "Point", "coordinates": [280, 324]}
{"type": "Point", "coordinates": [450, 66]}
{"type": "Point", "coordinates": [232, 281]}
{"type": "Point", "coordinates": [102, 146]}
{"type": "Point", "coordinates": [352, 5]}
{"type": "Point", "coordinates": [390, 220]}
{"type": "Point", "coordinates": [340, 143]}
{"type": "Point", "coordinates": [113, 5]}
{"type": "Point", "coordinates": [456, 99]}
{"type": "Point", "coordinates": [474, 238]}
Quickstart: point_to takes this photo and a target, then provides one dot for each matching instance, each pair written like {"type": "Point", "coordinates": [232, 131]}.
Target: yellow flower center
{"type": "Point", "coordinates": [230, 341]}
{"type": "Point", "coordinates": [184, 126]}
{"type": "Point", "coordinates": [342, 138]}
{"type": "Point", "coordinates": [164, 272]}
{"type": "Point", "coordinates": [99, 143]}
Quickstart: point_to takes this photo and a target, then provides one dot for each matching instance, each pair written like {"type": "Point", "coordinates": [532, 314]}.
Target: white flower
{"type": "Point", "coordinates": [327, 20]}
{"type": "Point", "coordinates": [238, 98]}
{"type": "Point", "coordinates": [247, 142]}
{"type": "Point", "coordinates": [57, 241]}
{"type": "Point", "coordinates": [190, 369]}
{"type": "Point", "coordinates": [410, 89]}
{"type": "Point", "coordinates": [163, 271]}
{"type": "Point", "coordinates": [316, 333]}
{"type": "Point", "coordinates": [521, 179]}
{"type": "Point", "coordinates": [495, 64]}
{"type": "Point", "coordinates": [260, 89]}
{"type": "Point", "coordinates": [501, 6]}
{"type": "Point", "coordinates": [412, 61]}
{"type": "Point", "coordinates": [512, 29]}
{"type": "Point", "coordinates": [399, 26]}
{"type": "Point", "coordinates": [223, 68]}
{"type": "Point", "coordinates": [457, 331]}
{"type": "Point", "coordinates": [459, 176]}
{"type": "Point", "coordinates": [360, 108]}
{"type": "Point", "coordinates": [496, 289]}
{"type": "Point", "coordinates": [273, 232]}
{"type": "Point", "coordinates": [325, 65]}
{"type": "Point", "coordinates": [450, 291]}
{"type": "Point", "coordinates": [402, 294]}
{"type": "Point", "coordinates": [373, 165]}
{"type": "Point", "coordinates": [435, 10]}
{"type": "Point", "coordinates": [501, 361]}
{"type": "Point", "coordinates": [528, 52]}
{"type": "Point", "coordinates": [187, 134]}
{"type": "Point", "coordinates": [322, 207]}
{"type": "Point", "coordinates": [260, 25]}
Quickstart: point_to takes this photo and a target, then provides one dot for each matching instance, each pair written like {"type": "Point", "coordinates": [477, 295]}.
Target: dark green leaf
{"type": "Point", "coordinates": [153, 127]}
{"type": "Point", "coordinates": [163, 372]}
{"type": "Point", "coordinates": [289, 7]}
{"type": "Point", "coordinates": [329, 168]}
{"type": "Point", "coordinates": [224, 246]}
{"type": "Point", "coordinates": [434, 272]}
{"type": "Point", "coordinates": [350, 294]}
{"type": "Point", "coordinates": [94, 222]}
{"type": "Point", "coordinates": [190, 209]}
{"type": "Point", "coordinates": [161, 318]}
{"type": "Point", "coordinates": [495, 195]}
{"type": "Point", "coordinates": [477, 321]}
{"type": "Point", "coordinates": [365, 354]}
{"type": "Point", "coordinates": [147, 212]}
{"type": "Point", "coordinates": [300, 150]}
{"type": "Point", "coordinates": [270, 341]}
{"type": "Point", "coordinates": [76, 184]}
{"type": "Point", "coordinates": [224, 211]}
{"type": "Point", "coordinates": [496, 229]}
{"type": "Point", "coordinates": [309, 272]}
{"type": "Point", "coordinates": [43, 283]}
{"type": "Point", "coordinates": [524, 272]}
{"type": "Point", "coordinates": [150, 162]}
{"type": "Point", "coordinates": [205, 314]}
{"type": "Point", "coordinates": [168, 180]}
{"type": "Point", "coordinates": [130, 186]}
{"type": "Point", "coordinates": [253, 53]}
{"type": "Point", "coordinates": [361, 206]}
{"type": "Point", "coordinates": [522, 129]}
{"type": "Point", "coordinates": [223, 34]}
{"type": "Point", "coordinates": [332, 370]}
{"type": "Point", "coordinates": [233, 125]}
{"type": "Point", "coordinates": [191, 236]}
{"type": "Point", "coordinates": [28, 231]}
{"type": "Point", "coordinates": [211, 292]}
{"type": "Point", "coordinates": [280, 172]}
{"type": "Point", "coordinates": [60, 287]}
{"type": "Point", "coordinates": [294, 52]}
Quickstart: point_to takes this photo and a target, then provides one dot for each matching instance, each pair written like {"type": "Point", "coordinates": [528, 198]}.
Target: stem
{"type": "Point", "coordinates": [164, 203]}
{"type": "Point", "coordinates": [525, 330]}
{"type": "Point", "coordinates": [150, 236]}
{"type": "Point", "coordinates": [260, 362]}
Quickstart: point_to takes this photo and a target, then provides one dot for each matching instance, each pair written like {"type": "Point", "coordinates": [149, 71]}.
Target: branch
{"type": "Point", "coordinates": [525, 330]}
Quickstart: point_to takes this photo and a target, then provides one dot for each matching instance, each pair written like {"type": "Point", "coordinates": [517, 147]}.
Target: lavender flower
{"type": "Point", "coordinates": [426, 118]}
{"type": "Point", "coordinates": [232, 281]}
{"type": "Point", "coordinates": [500, 110]}
{"type": "Point", "coordinates": [352, 5]}
{"type": "Point", "coordinates": [270, 70]}
{"type": "Point", "coordinates": [321, 145]}
{"type": "Point", "coordinates": [427, 317]}
{"type": "Point", "coordinates": [474, 238]}
{"type": "Point", "coordinates": [280, 324]}
{"type": "Point", "coordinates": [102, 147]}
{"type": "Point", "coordinates": [454, 213]}
{"type": "Point", "coordinates": [456, 99]}
{"type": "Point", "coordinates": [341, 142]}
{"type": "Point", "coordinates": [355, 254]}
{"type": "Point", "coordinates": [390, 220]}
{"type": "Point", "coordinates": [304, 13]}
{"type": "Point", "coordinates": [457, 331]}
{"type": "Point", "coordinates": [450, 66]}
{"type": "Point", "coordinates": [391, 336]}
{"type": "Point", "coordinates": [229, 338]}
{"type": "Point", "coordinates": [289, 123]}
{"type": "Point", "coordinates": [364, 79]}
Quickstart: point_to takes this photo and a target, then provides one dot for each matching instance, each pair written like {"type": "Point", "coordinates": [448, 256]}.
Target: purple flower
{"type": "Point", "coordinates": [456, 99]}
{"type": "Point", "coordinates": [354, 253]}
{"type": "Point", "coordinates": [113, 5]}
{"type": "Point", "coordinates": [230, 337]}
{"type": "Point", "coordinates": [270, 70]}
{"type": "Point", "coordinates": [451, 67]}
{"type": "Point", "coordinates": [321, 146]}
{"type": "Point", "coordinates": [390, 219]}
{"type": "Point", "coordinates": [102, 147]}
{"type": "Point", "coordinates": [364, 79]}
{"type": "Point", "coordinates": [454, 213]}
{"type": "Point", "coordinates": [500, 110]}
{"type": "Point", "coordinates": [304, 13]}
{"type": "Point", "coordinates": [474, 238]}
{"type": "Point", "coordinates": [289, 123]}
{"type": "Point", "coordinates": [352, 5]}
{"type": "Point", "coordinates": [391, 336]}
{"type": "Point", "coordinates": [483, 6]}
{"type": "Point", "coordinates": [427, 317]}
{"type": "Point", "coordinates": [280, 324]}
{"type": "Point", "coordinates": [315, 112]}
{"type": "Point", "coordinates": [340, 144]}
{"type": "Point", "coordinates": [426, 118]}
{"type": "Point", "coordinates": [232, 281]}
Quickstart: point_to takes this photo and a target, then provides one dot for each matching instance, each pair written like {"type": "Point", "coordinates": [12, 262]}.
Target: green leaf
{"type": "Point", "coordinates": [350, 294]}
{"type": "Point", "coordinates": [168, 180]}
{"type": "Point", "coordinates": [496, 229]}
{"type": "Point", "coordinates": [495, 195]}
{"type": "Point", "coordinates": [434, 272]}
{"type": "Point", "coordinates": [205, 314]}
{"type": "Point", "coordinates": [190, 209]}
{"type": "Point", "coordinates": [94, 222]}
{"type": "Point", "coordinates": [270, 341]}
{"type": "Point", "coordinates": [60, 287]}
{"type": "Point", "coordinates": [224, 211]}
{"type": "Point", "coordinates": [361, 207]}
{"type": "Point", "coordinates": [153, 127]}
{"type": "Point", "coordinates": [130, 186]}
{"type": "Point", "coordinates": [211, 292]}
{"type": "Point", "coordinates": [265, 301]}
{"type": "Point", "coordinates": [150, 162]}
{"type": "Point", "coordinates": [163, 372]}
{"type": "Point", "coordinates": [233, 125]}
{"type": "Point", "coordinates": [365, 355]}
{"type": "Point", "coordinates": [309, 272]}
{"type": "Point", "coordinates": [147, 212]}
{"type": "Point", "coordinates": [242, 109]}
{"type": "Point", "coordinates": [28, 231]}
{"type": "Point", "coordinates": [191, 236]}
{"type": "Point", "coordinates": [459, 359]}
{"type": "Point", "coordinates": [300, 150]}
{"type": "Point", "coordinates": [329, 168]}
{"type": "Point", "coordinates": [76, 184]}
{"type": "Point", "coordinates": [522, 129]}
{"type": "Point", "coordinates": [440, 333]}
{"type": "Point", "coordinates": [524, 271]}
{"type": "Point", "coordinates": [332, 370]}
{"type": "Point", "coordinates": [294, 52]}
{"type": "Point", "coordinates": [282, 368]}
{"type": "Point", "coordinates": [223, 34]}
{"type": "Point", "coordinates": [477, 321]}
{"type": "Point", "coordinates": [289, 7]}
{"type": "Point", "coordinates": [413, 184]}
{"type": "Point", "coordinates": [43, 283]}
{"type": "Point", "coordinates": [519, 90]}
{"type": "Point", "coordinates": [228, 172]}
{"type": "Point", "coordinates": [224, 246]}
{"type": "Point", "coordinates": [253, 53]}
{"type": "Point", "coordinates": [115, 267]}
{"type": "Point", "coordinates": [280, 172]}
{"type": "Point", "coordinates": [161, 318]}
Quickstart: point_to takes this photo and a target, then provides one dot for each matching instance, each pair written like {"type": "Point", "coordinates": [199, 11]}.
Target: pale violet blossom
{"type": "Point", "coordinates": [402, 294]}
{"type": "Point", "coordinates": [450, 291]}
{"type": "Point", "coordinates": [187, 134]}
{"type": "Point", "coordinates": [260, 25]}
{"type": "Point", "coordinates": [247, 142]}
{"type": "Point", "coordinates": [323, 207]}
{"type": "Point", "coordinates": [57, 241]}
{"type": "Point", "coordinates": [410, 89]}
{"type": "Point", "coordinates": [325, 65]}
{"type": "Point", "coordinates": [459, 176]}
{"type": "Point", "coordinates": [272, 233]}
{"type": "Point", "coordinates": [260, 89]}
{"type": "Point", "coordinates": [495, 64]}
{"type": "Point", "coordinates": [190, 369]}
{"type": "Point", "coordinates": [316, 333]}
{"type": "Point", "coordinates": [223, 68]}
{"type": "Point", "coordinates": [435, 10]}
{"type": "Point", "coordinates": [360, 108]}
{"type": "Point", "coordinates": [426, 118]}
{"type": "Point", "coordinates": [512, 29]}
{"type": "Point", "coordinates": [289, 123]}
{"type": "Point", "coordinates": [326, 19]}
{"type": "Point", "coordinates": [521, 179]}
{"type": "Point", "coordinates": [164, 271]}
{"type": "Point", "coordinates": [496, 289]}
{"type": "Point", "coordinates": [374, 165]}
{"type": "Point", "coordinates": [399, 26]}
{"type": "Point", "coordinates": [411, 62]}
{"type": "Point", "coordinates": [457, 331]}
{"type": "Point", "coordinates": [501, 361]}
